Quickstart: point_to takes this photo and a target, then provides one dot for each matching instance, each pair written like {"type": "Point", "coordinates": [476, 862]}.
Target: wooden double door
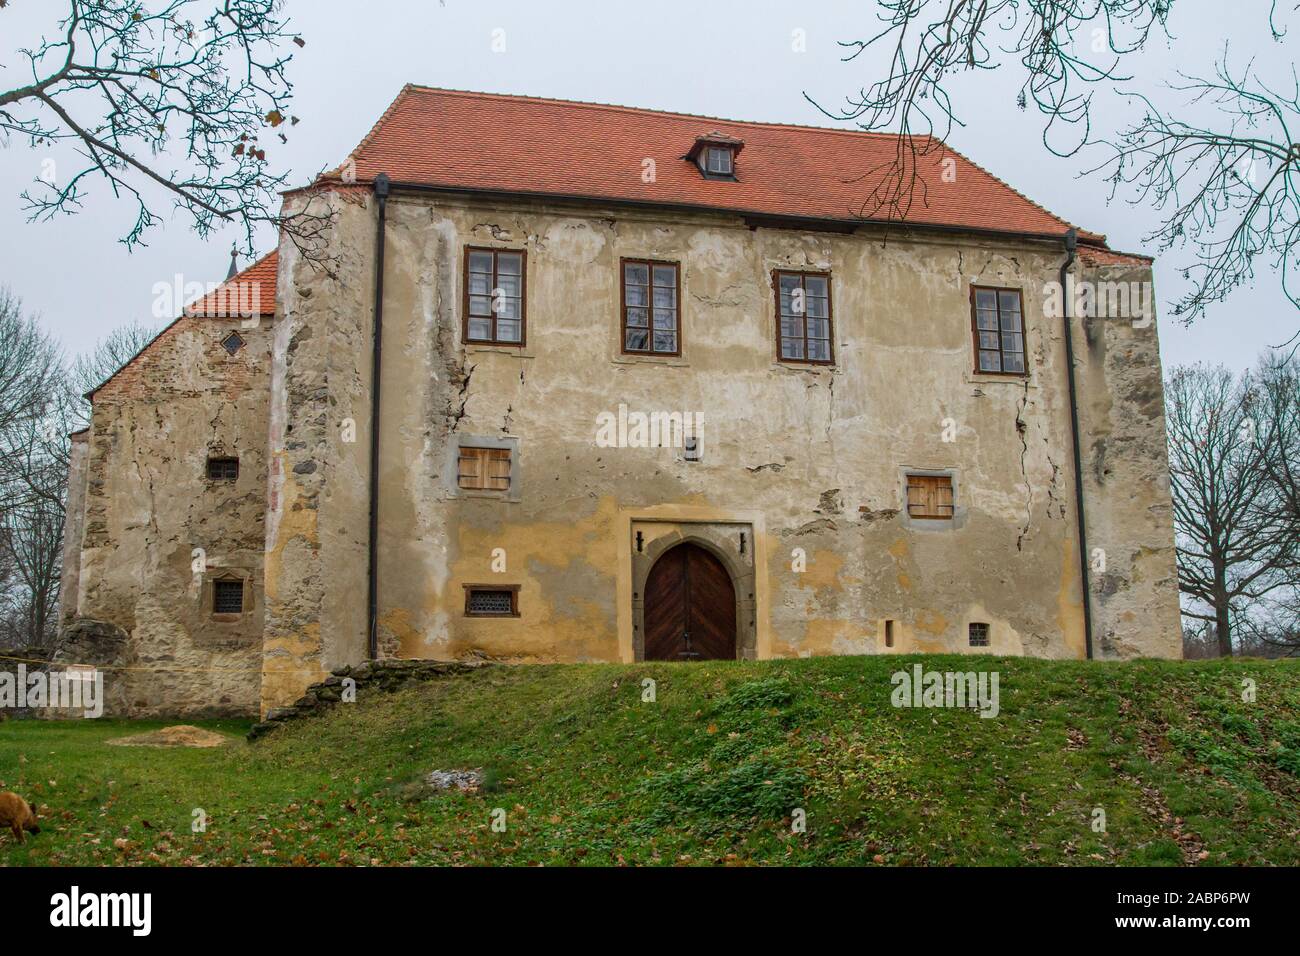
{"type": "Point", "coordinates": [690, 607]}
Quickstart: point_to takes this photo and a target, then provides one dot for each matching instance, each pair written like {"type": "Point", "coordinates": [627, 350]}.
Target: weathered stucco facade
{"type": "Point", "coordinates": [156, 534]}
{"type": "Point", "coordinates": [799, 490]}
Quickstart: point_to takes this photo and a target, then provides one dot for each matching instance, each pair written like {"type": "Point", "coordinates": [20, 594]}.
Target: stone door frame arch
{"type": "Point", "coordinates": [722, 540]}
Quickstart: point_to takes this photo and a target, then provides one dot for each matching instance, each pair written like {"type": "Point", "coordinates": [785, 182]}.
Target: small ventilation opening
{"type": "Point", "coordinates": [223, 469]}
{"type": "Point", "coordinates": [228, 597]}
{"type": "Point", "coordinates": [232, 343]}
{"type": "Point", "coordinates": [979, 635]}
{"type": "Point", "coordinates": [486, 601]}
{"type": "Point", "coordinates": [889, 633]}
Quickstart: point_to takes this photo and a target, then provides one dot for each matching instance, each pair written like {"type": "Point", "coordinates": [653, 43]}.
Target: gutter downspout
{"type": "Point", "coordinates": [1071, 244]}
{"type": "Point", "coordinates": [372, 572]}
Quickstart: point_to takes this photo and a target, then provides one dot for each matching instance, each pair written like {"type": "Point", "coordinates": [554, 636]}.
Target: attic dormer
{"type": "Point", "coordinates": [714, 154]}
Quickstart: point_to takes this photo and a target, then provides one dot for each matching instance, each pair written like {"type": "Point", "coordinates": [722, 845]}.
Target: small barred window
{"type": "Point", "coordinates": [979, 635]}
{"type": "Point", "coordinates": [223, 469]}
{"type": "Point", "coordinates": [228, 597]}
{"type": "Point", "coordinates": [491, 602]}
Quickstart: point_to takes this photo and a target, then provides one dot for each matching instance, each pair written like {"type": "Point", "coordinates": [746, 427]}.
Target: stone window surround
{"type": "Point", "coordinates": [208, 594]}
{"type": "Point", "coordinates": [450, 469]}
{"type": "Point", "coordinates": [958, 519]}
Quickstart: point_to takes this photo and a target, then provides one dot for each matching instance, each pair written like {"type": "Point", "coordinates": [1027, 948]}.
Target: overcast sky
{"type": "Point", "coordinates": [727, 59]}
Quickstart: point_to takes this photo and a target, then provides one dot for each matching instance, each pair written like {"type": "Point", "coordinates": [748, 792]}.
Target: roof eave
{"type": "Point", "coordinates": [750, 216]}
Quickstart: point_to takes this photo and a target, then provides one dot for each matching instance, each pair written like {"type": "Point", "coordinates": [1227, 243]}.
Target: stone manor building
{"type": "Point", "coordinates": [591, 383]}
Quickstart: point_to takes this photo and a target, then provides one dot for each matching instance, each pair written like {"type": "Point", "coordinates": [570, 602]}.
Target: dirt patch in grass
{"type": "Point", "coordinates": [182, 735]}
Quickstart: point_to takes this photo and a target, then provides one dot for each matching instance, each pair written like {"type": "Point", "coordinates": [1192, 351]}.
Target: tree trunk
{"type": "Point", "coordinates": [1223, 626]}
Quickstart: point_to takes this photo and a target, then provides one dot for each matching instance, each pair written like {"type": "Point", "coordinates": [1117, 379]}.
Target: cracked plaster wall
{"type": "Point", "coordinates": [148, 505]}
{"type": "Point", "coordinates": [817, 452]}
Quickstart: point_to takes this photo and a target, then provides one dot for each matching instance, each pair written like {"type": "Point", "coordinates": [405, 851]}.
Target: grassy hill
{"type": "Point", "coordinates": [710, 772]}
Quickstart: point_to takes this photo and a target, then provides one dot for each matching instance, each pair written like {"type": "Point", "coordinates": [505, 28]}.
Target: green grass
{"type": "Point", "coordinates": [711, 772]}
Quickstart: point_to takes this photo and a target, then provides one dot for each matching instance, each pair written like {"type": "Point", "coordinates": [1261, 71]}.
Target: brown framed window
{"type": "Point", "coordinates": [491, 600]}
{"type": "Point", "coordinates": [223, 469]}
{"type": "Point", "coordinates": [227, 597]}
{"type": "Point", "coordinates": [978, 634]}
{"type": "Point", "coordinates": [803, 309]}
{"type": "Point", "coordinates": [651, 307]}
{"type": "Point", "coordinates": [494, 303]}
{"type": "Point", "coordinates": [997, 321]}
{"type": "Point", "coordinates": [929, 496]}
{"type": "Point", "coordinates": [483, 469]}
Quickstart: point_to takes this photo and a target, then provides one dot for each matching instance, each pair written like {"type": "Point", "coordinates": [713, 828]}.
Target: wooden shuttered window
{"type": "Point", "coordinates": [929, 496]}
{"type": "Point", "coordinates": [484, 469]}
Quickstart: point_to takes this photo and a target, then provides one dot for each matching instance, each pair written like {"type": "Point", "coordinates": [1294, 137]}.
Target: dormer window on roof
{"type": "Point", "coordinates": [715, 155]}
{"type": "Point", "coordinates": [718, 160]}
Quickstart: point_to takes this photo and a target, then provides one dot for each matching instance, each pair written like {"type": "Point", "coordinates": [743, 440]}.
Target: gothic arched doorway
{"type": "Point", "coordinates": [690, 607]}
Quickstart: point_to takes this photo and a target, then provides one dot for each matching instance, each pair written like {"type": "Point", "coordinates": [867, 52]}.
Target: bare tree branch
{"type": "Point", "coordinates": [182, 99]}
{"type": "Point", "coordinates": [1229, 188]}
{"type": "Point", "coordinates": [1225, 184]}
{"type": "Point", "coordinates": [1237, 537]}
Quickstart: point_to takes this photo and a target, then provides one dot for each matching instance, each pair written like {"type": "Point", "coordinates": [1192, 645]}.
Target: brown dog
{"type": "Point", "coordinates": [17, 815]}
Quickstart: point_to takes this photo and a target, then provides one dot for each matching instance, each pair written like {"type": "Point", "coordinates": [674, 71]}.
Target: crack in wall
{"type": "Point", "coordinates": [1053, 502]}
{"type": "Point", "coordinates": [1022, 430]}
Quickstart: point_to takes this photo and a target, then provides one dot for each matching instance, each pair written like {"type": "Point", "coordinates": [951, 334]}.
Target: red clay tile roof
{"type": "Point", "coordinates": [1095, 256]}
{"type": "Point", "coordinates": [249, 292]}
{"type": "Point", "coordinates": [522, 144]}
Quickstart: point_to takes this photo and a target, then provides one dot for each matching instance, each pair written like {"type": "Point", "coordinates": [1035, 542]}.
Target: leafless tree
{"type": "Point", "coordinates": [180, 98]}
{"type": "Point", "coordinates": [1227, 184]}
{"type": "Point", "coordinates": [929, 44]}
{"type": "Point", "coordinates": [31, 481]}
{"type": "Point", "coordinates": [29, 365]}
{"type": "Point", "coordinates": [1238, 545]}
{"type": "Point", "coordinates": [41, 403]}
{"type": "Point", "coordinates": [1279, 394]}
{"type": "Point", "coordinates": [33, 532]}
{"type": "Point", "coordinates": [89, 370]}
{"type": "Point", "coordinates": [1279, 388]}
{"type": "Point", "coordinates": [1224, 173]}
